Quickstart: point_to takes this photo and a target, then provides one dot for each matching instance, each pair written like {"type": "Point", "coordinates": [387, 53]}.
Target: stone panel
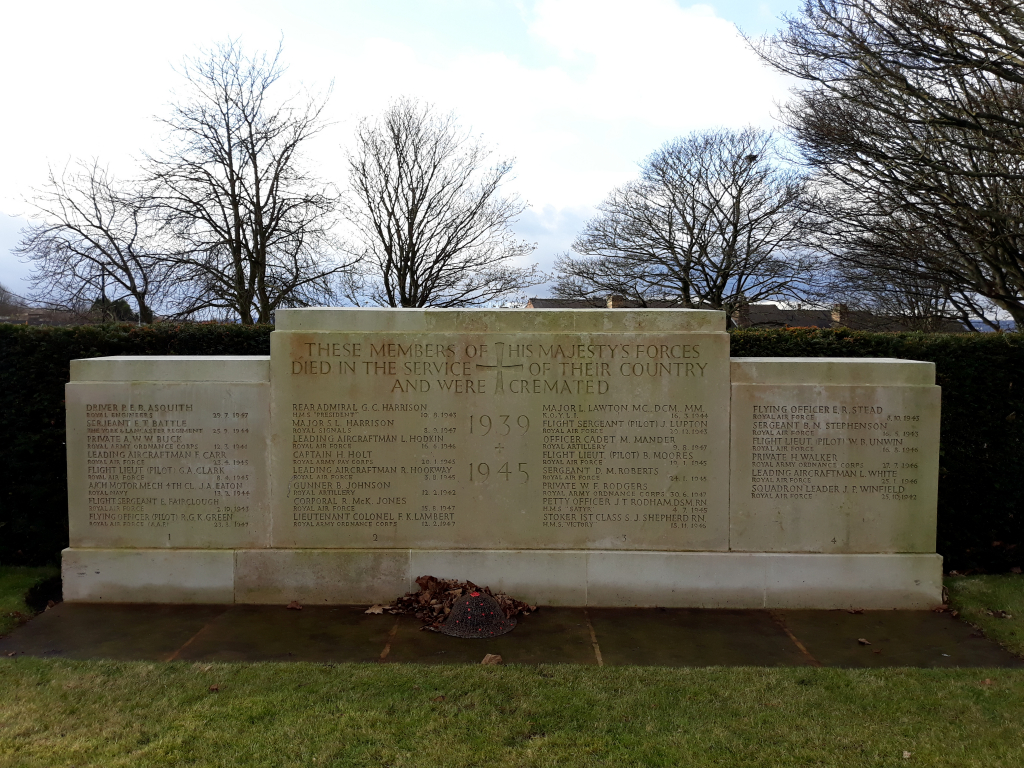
{"type": "Point", "coordinates": [148, 575]}
{"type": "Point", "coordinates": [736, 580]}
{"type": "Point", "coordinates": [503, 440]}
{"type": "Point", "coordinates": [675, 580]}
{"type": "Point", "coordinates": [353, 320]}
{"type": "Point", "coordinates": [873, 582]}
{"type": "Point", "coordinates": [165, 463]}
{"type": "Point", "coordinates": [863, 371]}
{"type": "Point", "coordinates": [324, 576]}
{"type": "Point", "coordinates": [847, 468]}
{"type": "Point", "coordinates": [223, 368]}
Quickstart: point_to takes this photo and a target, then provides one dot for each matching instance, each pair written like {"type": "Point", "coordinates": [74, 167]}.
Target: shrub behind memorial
{"type": "Point", "coordinates": [981, 454]}
{"type": "Point", "coordinates": [981, 475]}
{"type": "Point", "coordinates": [34, 366]}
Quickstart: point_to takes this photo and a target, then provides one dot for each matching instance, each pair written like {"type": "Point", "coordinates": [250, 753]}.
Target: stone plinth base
{"type": "Point", "coordinates": [740, 580]}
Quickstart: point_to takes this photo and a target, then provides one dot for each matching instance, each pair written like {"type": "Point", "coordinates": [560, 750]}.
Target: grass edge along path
{"type": "Point", "coordinates": [62, 713]}
{"type": "Point", "coordinates": [55, 712]}
{"type": "Point", "coordinates": [15, 582]}
{"type": "Point", "coordinates": [993, 603]}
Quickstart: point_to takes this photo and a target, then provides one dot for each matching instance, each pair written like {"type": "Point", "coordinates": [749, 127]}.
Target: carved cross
{"type": "Point", "coordinates": [499, 385]}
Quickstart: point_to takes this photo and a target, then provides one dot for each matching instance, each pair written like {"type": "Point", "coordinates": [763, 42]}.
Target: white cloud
{"type": "Point", "coordinates": [579, 92]}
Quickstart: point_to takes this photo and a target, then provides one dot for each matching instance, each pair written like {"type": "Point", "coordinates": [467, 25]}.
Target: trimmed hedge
{"type": "Point", "coordinates": [981, 461]}
{"type": "Point", "coordinates": [34, 366]}
{"type": "Point", "coordinates": [981, 477]}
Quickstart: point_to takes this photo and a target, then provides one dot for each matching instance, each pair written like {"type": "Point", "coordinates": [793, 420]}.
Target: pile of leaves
{"type": "Point", "coordinates": [433, 602]}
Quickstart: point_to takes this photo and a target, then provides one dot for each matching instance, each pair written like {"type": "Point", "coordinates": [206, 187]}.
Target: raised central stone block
{"type": "Point", "coordinates": [451, 429]}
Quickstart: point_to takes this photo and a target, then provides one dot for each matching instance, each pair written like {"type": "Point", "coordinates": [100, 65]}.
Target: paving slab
{"type": "Point", "coordinates": [103, 631]}
{"type": "Point", "coordinates": [651, 637]}
{"type": "Point", "coordinates": [550, 636]}
{"type": "Point", "coordinates": [683, 637]}
{"type": "Point", "coordinates": [315, 633]}
{"type": "Point", "coordinates": [898, 639]}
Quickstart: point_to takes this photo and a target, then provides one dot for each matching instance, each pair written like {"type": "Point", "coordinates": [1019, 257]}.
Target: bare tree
{"type": "Point", "coordinates": [430, 218]}
{"type": "Point", "coordinates": [10, 302]}
{"type": "Point", "coordinates": [252, 226]}
{"type": "Point", "coordinates": [892, 279]}
{"type": "Point", "coordinates": [94, 243]}
{"type": "Point", "coordinates": [886, 291]}
{"type": "Point", "coordinates": [714, 220]}
{"type": "Point", "coordinates": [912, 116]}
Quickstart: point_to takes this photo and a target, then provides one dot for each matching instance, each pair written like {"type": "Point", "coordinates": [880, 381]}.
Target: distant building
{"type": "Point", "coordinates": [610, 302]}
{"type": "Point", "coordinates": [32, 316]}
{"type": "Point", "coordinates": [840, 316]}
{"type": "Point", "coordinates": [762, 315]}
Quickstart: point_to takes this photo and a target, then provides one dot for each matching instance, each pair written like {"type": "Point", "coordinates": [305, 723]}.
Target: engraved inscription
{"type": "Point", "coordinates": [834, 468]}
{"type": "Point", "coordinates": [797, 448]}
{"type": "Point", "coordinates": [488, 440]}
{"type": "Point", "coordinates": [172, 465]}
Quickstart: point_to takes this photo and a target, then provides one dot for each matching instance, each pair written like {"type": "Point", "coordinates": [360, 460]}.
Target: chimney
{"type": "Point", "coordinates": [841, 314]}
{"type": "Point", "coordinates": [741, 315]}
{"type": "Point", "coordinates": [617, 302]}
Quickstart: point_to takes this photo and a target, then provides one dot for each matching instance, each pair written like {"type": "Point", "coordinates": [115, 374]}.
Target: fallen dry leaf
{"type": "Point", "coordinates": [940, 608]}
{"type": "Point", "coordinates": [987, 681]}
{"type": "Point", "coordinates": [862, 641]}
{"type": "Point", "coordinates": [12, 653]}
{"type": "Point", "coordinates": [433, 602]}
{"type": "Point", "coordinates": [214, 688]}
{"type": "Point", "coordinates": [877, 650]}
{"type": "Point", "coordinates": [491, 658]}
{"type": "Point", "coordinates": [438, 698]}
{"type": "Point", "coordinates": [855, 610]}
{"type": "Point", "coordinates": [999, 614]}
{"type": "Point", "coordinates": [375, 609]}
{"type": "Point", "coordinates": [294, 605]}
{"type": "Point", "coordinates": [906, 755]}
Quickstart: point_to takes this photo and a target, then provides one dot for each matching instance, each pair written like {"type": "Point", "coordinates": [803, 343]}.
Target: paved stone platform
{"type": "Point", "coordinates": [659, 637]}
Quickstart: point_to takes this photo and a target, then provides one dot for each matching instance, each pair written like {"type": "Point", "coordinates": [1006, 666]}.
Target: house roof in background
{"type": "Point", "coordinates": [762, 315]}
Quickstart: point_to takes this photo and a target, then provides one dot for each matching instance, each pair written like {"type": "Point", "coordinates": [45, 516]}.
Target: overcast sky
{"type": "Point", "coordinates": [578, 91]}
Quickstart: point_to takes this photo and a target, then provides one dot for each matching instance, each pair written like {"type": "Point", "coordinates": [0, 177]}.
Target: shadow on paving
{"type": "Point", "coordinates": [898, 639]}
{"type": "Point", "coordinates": [685, 637]}
{"type": "Point", "coordinates": [654, 637]}
{"type": "Point", "coordinates": [549, 636]}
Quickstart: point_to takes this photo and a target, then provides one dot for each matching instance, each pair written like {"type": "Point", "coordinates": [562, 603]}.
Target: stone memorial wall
{"type": "Point", "coordinates": [596, 457]}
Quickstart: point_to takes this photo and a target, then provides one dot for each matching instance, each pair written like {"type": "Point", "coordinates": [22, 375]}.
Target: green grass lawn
{"type": "Point", "coordinates": [63, 713]}
{"type": "Point", "coordinates": [14, 583]}
{"type": "Point", "coordinates": [60, 713]}
{"type": "Point", "coordinates": [981, 600]}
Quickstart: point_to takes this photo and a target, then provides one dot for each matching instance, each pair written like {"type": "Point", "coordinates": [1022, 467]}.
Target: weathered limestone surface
{"type": "Point", "coordinates": [604, 458]}
{"type": "Point", "coordinates": [148, 575]}
{"type": "Point", "coordinates": [491, 429]}
{"type": "Point", "coordinates": [548, 577]}
{"type": "Point", "coordinates": [834, 455]}
{"type": "Point", "coordinates": [168, 452]}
